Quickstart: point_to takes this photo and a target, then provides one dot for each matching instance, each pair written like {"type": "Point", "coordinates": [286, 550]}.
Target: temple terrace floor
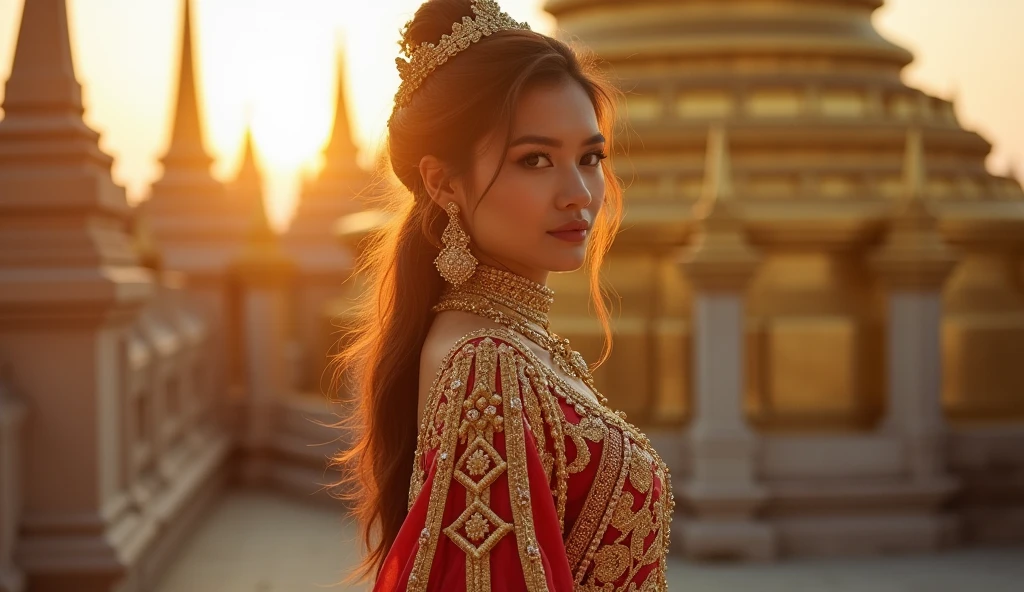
{"type": "Point", "coordinates": [263, 542]}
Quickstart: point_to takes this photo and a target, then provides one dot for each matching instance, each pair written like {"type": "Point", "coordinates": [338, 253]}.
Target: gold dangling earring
{"type": "Point", "coordinates": [455, 263]}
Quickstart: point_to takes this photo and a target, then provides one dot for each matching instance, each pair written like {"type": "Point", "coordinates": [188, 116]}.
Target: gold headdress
{"type": "Point", "coordinates": [427, 56]}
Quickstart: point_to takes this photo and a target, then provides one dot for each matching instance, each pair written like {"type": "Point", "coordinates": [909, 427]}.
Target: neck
{"type": "Point", "coordinates": [510, 290]}
{"type": "Point", "coordinates": [537, 276]}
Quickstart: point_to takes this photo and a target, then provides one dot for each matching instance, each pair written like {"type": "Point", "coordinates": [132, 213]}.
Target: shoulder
{"type": "Point", "coordinates": [457, 336]}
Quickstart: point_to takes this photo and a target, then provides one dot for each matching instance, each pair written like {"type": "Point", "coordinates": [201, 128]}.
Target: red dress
{"type": "Point", "coordinates": [522, 483]}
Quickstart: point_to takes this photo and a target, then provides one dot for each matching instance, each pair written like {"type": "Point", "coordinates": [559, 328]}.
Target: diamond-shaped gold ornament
{"type": "Point", "coordinates": [478, 519]}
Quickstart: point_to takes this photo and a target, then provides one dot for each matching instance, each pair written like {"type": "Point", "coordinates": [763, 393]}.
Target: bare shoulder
{"type": "Point", "coordinates": [448, 329]}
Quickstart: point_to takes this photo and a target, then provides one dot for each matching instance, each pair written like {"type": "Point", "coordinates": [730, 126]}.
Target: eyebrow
{"type": "Point", "coordinates": [553, 142]}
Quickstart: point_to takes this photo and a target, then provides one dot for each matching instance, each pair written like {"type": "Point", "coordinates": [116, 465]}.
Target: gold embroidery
{"type": "Point", "coordinates": [456, 390]}
{"type": "Point", "coordinates": [535, 419]}
{"type": "Point", "coordinates": [641, 475]}
{"type": "Point", "coordinates": [530, 399]}
{"type": "Point", "coordinates": [598, 498]}
{"type": "Point", "coordinates": [589, 428]}
{"type": "Point", "coordinates": [480, 421]}
{"type": "Point", "coordinates": [478, 463]}
{"type": "Point", "coordinates": [610, 563]}
{"type": "Point", "coordinates": [627, 453]}
{"type": "Point", "coordinates": [635, 526]}
{"type": "Point", "coordinates": [477, 528]}
{"type": "Point", "coordinates": [554, 419]}
{"type": "Point", "coordinates": [518, 478]}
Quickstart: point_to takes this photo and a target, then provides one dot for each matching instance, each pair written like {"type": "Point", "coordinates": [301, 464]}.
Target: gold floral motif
{"type": "Point", "coordinates": [641, 475]}
{"type": "Point", "coordinates": [477, 527]}
{"type": "Point", "coordinates": [611, 562]}
{"type": "Point", "coordinates": [589, 428]}
{"type": "Point", "coordinates": [478, 463]}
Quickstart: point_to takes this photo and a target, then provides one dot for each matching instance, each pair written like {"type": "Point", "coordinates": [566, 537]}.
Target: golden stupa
{"type": "Point", "coordinates": [824, 139]}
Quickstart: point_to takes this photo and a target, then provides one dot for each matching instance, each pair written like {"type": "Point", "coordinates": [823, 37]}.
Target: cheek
{"type": "Point", "coordinates": [514, 212]}
{"type": "Point", "coordinates": [596, 187]}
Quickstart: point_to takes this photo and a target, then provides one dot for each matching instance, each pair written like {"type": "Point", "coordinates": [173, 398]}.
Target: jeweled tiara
{"type": "Point", "coordinates": [428, 56]}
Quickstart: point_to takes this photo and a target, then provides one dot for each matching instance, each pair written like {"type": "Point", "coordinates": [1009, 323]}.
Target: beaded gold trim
{"type": "Point", "coordinates": [480, 410]}
{"type": "Point", "coordinates": [598, 498]}
{"type": "Point", "coordinates": [428, 56]}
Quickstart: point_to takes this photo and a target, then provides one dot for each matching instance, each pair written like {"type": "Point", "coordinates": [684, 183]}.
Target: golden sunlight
{"type": "Point", "coordinates": [273, 65]}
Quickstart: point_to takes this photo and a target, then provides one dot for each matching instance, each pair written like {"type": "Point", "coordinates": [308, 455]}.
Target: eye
{"type": "Point", "coordinates": [536, 160]}
{"type": "Point", "coordinates": [593, 158]}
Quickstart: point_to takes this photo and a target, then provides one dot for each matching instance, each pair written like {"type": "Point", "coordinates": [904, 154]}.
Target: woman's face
{"type": "Point", "coordinates": [551, 178]}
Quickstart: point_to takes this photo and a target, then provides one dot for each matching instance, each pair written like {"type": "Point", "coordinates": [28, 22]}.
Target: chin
{"type": "Point", "coordinates": [566, 264]}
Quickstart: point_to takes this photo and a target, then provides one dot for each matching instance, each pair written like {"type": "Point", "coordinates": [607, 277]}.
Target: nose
{"type": "Point", "coordinates": [573, 193]}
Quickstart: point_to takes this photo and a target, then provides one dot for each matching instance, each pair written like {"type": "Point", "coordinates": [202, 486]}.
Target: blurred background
{"type": "Point", "coordinates": [821, 282]}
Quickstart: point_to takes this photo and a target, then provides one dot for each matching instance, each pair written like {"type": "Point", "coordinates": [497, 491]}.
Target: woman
{"type": "Point", "coordinates": [487, 460]}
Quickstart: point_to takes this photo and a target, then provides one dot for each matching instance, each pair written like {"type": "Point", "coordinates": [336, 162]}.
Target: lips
{"type": "Point", "coordinates": [573, 232]}
{"type": "Point", "coordinates": [574, 225]}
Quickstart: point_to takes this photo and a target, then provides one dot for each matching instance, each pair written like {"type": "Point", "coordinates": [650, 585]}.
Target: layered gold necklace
{"type": "Point", "coordinates": [521, 305]}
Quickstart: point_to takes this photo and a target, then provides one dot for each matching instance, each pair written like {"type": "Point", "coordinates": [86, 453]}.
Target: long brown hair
{"type": "Point", "coordinates": [472, 94]}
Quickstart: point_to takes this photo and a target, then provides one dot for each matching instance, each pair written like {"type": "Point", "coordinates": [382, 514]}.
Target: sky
{"type": "Point", "coordinates": [272, 63]}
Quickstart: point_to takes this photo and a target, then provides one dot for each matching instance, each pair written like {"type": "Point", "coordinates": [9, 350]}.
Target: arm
{"type": "Point", "coordinates": [482, 515]}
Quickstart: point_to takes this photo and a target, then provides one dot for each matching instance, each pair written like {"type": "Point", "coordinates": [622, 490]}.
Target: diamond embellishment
{"type": "Point", "coordinates": [480, 456]}
{"type": "Point", "coordinates": [483, 527]}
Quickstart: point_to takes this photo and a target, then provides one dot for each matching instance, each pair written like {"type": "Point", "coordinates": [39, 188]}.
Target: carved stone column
{"type": "Point", "coordinates": [70, 289]}
{"type": "Point", "coordinates": [913, 264]}
{"type": "Point", "coordinates": [722, 491]}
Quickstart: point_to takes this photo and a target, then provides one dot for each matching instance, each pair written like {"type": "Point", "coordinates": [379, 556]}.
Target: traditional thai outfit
{"type": "Point", "coordinates": [521, 482]}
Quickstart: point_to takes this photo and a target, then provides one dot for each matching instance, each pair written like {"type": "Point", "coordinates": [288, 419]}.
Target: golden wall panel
{"type": "Point", "coordinates": [643, 107]}
{"type": "Point", "coordinates": [983, 338]}
{"type": "Point", "coordinates": [673, 371]}
{"type": "Point", "coordinates": [837, 186]}
{"type": "Point", "coordinates": [983, 367]}
{"type": "Point", "coordinates": [814, 343]}
{"type": "Point", "coordinates": [705, 104]}
{"type": "Point", "coordinates": [808, 369]}
{"type": "Point", "coordinates": [774, 103]}
{"type": "Point", "coordinates": [843, 104]}
{"type": "Point", "coordinates": [628, 377]}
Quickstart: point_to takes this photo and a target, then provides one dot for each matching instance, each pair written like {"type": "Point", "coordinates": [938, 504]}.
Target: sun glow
{"type": "Point", "coordinates": [276, 64]}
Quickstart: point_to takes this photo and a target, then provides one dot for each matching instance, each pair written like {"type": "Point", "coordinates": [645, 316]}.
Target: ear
{"type": "Point", "coordinates": [437, 181]}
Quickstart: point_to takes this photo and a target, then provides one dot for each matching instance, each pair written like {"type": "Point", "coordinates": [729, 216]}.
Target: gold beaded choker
{"type": "Point", "coordinates": [513, 291]}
